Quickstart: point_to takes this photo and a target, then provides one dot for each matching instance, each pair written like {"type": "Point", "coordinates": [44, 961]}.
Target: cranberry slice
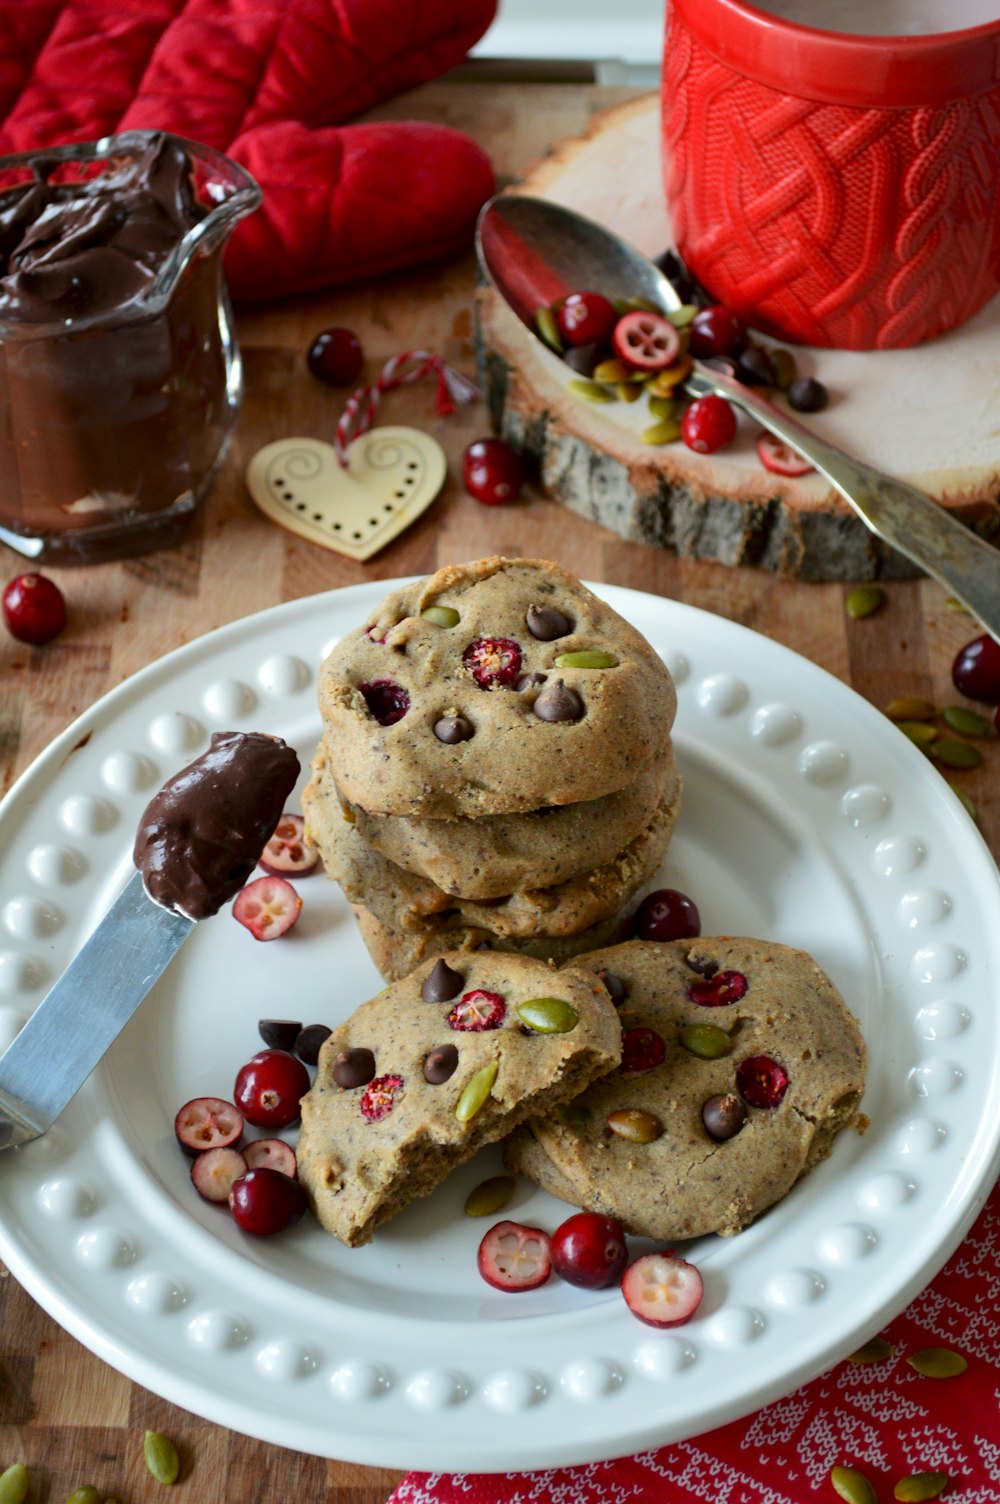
{"type": "Point", "coordinates": [719, 989]}
{"type": "Point", "coordinates": [288, 850]}
{"type": "Point", "coordinates": [646, 340]}
{"type": "Point", "coordinates": [208, 1123]}
{"type": "Point", "coordinates": [387, 701]}
{"type": "Point", "coordinates": [762, 1081]}
{"type": "Point", "coordinates": [478, 1010]}
{"type": "Point", "coordinates": [514, 1257]}
{"type": "Point", "coordinates": [494, 662]}
{"type": "Point", "coordinates": [379, 1097]}
{"type": "Point", "coordinates": [780, 458]}
{"type": "Point", "coordinates": [662, 1290]}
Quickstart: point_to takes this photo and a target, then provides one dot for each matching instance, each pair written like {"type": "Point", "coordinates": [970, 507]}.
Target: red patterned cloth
{"type": "Point", "coordinates": [882, 1418]}
{"type": "Point", "coordinates": [272, 83]}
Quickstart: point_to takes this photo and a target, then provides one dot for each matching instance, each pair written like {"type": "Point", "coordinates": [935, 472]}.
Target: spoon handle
{"type": "Point", "coordinates": [965, 564]}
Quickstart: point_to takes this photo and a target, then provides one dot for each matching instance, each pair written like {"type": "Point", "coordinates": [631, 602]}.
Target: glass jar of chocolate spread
{"type": "Point", "coordinates": [120, 376]}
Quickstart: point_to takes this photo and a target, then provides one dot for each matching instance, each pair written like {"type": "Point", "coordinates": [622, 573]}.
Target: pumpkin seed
{"type": "Point", "coordinates": [872, 1352]}
{"type": "Point", "coordinates": [910, 708]}
{"type": "Point", "coordinates": [628, 391]}
{"type": "Point", "coordinates": [707, 1041]}
{"type": "Point", "coordinates": [852, 1486]}
{"type": "Point", "coordinates": [641, 305]}
{"type": "Point", "coordinates": [864, 601]}
{"type": "Point", "coordinates": [681, 317]}
{"type": "Point", "coordinates": [954, 604]}
{"type": "Point", "coordinates": [920, 1486]}
{"type": "Point", "coordinates": [161, 1457]}
{"type": "Point", "coordinates": [666, 431]}
{"type": "Point", "coordinates": [965, 801]}
{"type": "Point", "coordinates": [548, 1015]}
{"type": "Point", "coordinates": [785, 369]}
{"type": "Point", "coordinates": [489, 1196]}
{"type": "Point", "coordinates": [922, 733]}
{"type": "Point", "coordinates": [548, 330]}
{"type": "Point", "coordinates": [956, 754]}
{"type": "Point", "coordinates": [612, 371]}
{"type": "Point", "coordinates": [638, 1127]}
{"type": "Point", "coordinates": [14, 1484]}
{"type": "Point", "coordinates": [587, 658]}
{"type": "Point", "coordinates": [937, 1362]}
{"type": "Point", "coordinates": [591, 391]}
{"type": "Point", "coordinates": [665, 382]}
{"type": "Point", "coordinates": [86, 1495]}
{"type": "Point", "coordinates": [441, 616]}
{"type": "Point", "coordinates": [965, 721]}
{"type": "Point", "coordinates": [662, 407]}
{"type": "Point", "coordinates": [476, 1092]}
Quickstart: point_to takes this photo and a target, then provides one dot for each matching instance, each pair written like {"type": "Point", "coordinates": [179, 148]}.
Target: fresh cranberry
{"type": "Point", "coordinates": [478, 1010]}
{"type": "Point", "coordinates": [589, 1250]}
{"type": "Point", "coordinates": [387, 701]}
{"type": "Point", "coordinates": [717, 331]}
{"type": "Point", "coordinates": [666, 915]}
{"type": "Point", "coordinates": [494, 661]}
{"type": "Point", "coordinates": [761, 1080]}
{"type": "Point", "coordinates": [264, 1201]}
{"type": "Point", "coordinates": [379, 1097]}
{"type": "Point", "coordinates": [708, 424]}
{"type": "Point", "coordinates": [642, 1050]}
{"type": "Point", "coordinates": [721, 988]}
{"type": "Point", "coordinates": [586, 318]}
{"type": "Point", "coordinates": [492, 472]}
{"type": "Point", "coordinates": [268, 1088]}
{"type": "Point", "coordinates": [335, 357]}
{"type": "Point", "coordinates": [976, 670]}
{"type": "Point", "coordinates": [33, 608]}
{"type": "Point", "coordinates": [647, 340]}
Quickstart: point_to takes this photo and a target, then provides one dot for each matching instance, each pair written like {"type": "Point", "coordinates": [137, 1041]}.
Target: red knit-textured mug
{"type": "Point", "coordinates": [835, 186]}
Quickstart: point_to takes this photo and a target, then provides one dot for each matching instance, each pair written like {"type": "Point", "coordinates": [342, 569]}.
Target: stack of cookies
{"type": "Point", "coordinates": [496, 768]}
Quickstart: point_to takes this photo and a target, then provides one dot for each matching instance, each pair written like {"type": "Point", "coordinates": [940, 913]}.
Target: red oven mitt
{"type": "Point", "coordinates": [271, 83]}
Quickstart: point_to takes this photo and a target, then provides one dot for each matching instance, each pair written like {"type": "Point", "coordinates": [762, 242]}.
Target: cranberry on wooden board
{"type": "Point", "coordinates": [33, 608]}
{"type": "Point", "coordinates": [335, 357]}
{"type": "Point", "coordinates": [976, 670]}
{"type": "Point", "coordinates": [492, 472]}
{"type": "Point", "coordinates": [708, 424]}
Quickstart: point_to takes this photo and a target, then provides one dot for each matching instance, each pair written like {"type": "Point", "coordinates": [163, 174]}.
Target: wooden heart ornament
{"type": "Point", "coordinates": [392, 476]}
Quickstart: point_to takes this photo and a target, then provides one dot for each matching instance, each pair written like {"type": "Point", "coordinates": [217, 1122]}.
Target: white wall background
{"type": "Point", "coordinates": [625, 37]}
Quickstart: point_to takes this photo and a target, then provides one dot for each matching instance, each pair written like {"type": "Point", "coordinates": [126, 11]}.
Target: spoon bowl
{"type": "Point", "coordinates": [534, 251]}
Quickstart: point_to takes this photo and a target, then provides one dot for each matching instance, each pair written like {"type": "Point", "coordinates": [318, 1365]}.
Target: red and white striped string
{"type": "Point", "coordinates": [360, 409]}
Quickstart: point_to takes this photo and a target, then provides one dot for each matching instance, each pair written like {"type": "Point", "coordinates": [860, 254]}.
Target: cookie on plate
{"type": "Point", "coordinates": [740, 1065]}
{"type": "Point", "coordinates": [452, 1057]}
{"type": "Point", "coordinates": [491, 688]}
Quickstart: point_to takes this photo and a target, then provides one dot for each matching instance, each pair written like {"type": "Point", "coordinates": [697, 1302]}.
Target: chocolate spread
{"type": "Point", "coordinates": [201, 835]}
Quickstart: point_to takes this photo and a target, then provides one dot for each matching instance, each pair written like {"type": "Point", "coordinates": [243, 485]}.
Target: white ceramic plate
{"type": "Point", "coordinates": [808, 819]}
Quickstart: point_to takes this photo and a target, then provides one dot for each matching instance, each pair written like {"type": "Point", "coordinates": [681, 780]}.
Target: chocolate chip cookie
{"type": "Point", "coordinates": [491, 688]}
{"type": "Point", "coordinates": [740, 1065]}
{"type": "Point", "coordinates": [452, 1057]}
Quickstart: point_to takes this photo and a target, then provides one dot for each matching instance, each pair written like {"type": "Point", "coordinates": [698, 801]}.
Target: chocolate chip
{"type": "Point", "coordinates": [309, 1040]}
{"type": "Point", "coordinates": [440, 1064]}
{"type": "Point", "coordinates": [441, 984]}
{"type": "Point", "coordinates": [530, 681]}
{"type": "Point", "coordinates": [616, 989]}
{"type": "Point", "coordinates": [756, 368]}
{"type": "Point", "coordinates": [582, 358]}
{"type": "Point", "coordinates": [705, 966]}
{"type": "Point", "coordinates": [279, 1033]}
{"type": "Point", "coordinates": [452, 729]}
{"type": "Point", "coordinates": [558, 703]}
{"type": "Point", "coordinates": [723, 1116]}
{"type": "Point", "coordinates": [546, 623]}
{"type": "Point", "coordinates": [807, 395]}
{"type": "Point", "coordinates": [354, 1068]}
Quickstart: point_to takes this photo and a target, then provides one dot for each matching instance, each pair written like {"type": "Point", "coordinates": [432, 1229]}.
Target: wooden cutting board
{"type": "Point", "coordinates": [929, 415]}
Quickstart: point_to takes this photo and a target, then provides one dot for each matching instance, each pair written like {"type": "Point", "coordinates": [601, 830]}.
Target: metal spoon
{"type": "Point", "coordinates": [534, 251]}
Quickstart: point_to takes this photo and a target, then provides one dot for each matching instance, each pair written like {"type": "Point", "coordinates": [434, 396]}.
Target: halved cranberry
{"type": "Point", "coordinates": [642, 1050]}
{"type": "Point", "coordinates": [586, 318]}
{"type": "Point", "coordinates": [761, 1080]}
{"type": "Point", "coordinates": [387, 701]}
{"type": "Point", "coordinates": [214, 1172]}
{"type": "Point", "coordinates": [272, 1152]}
{"type": "Point", "coordinates": [717, 331]}
{"type": "Point", "coordinates": [493, 661]}
{"type": "Point", "coordinates": [646, 340]}
{"type": "Point", "coordinates": [780, 458]}
{"type": "Point", "coordinates": [514, 1257]}
{"type": "Point", "coordinates": [721, 988]}
{"type": "Point", "coordinates": [666, 914]}
{"type": "Point", "coordinates": [976, 670]}
{"type": "Point", "coordinates": [288, 850]}
{"type": "Point", "coordinates": [208, 1123]}
{"type": "Point", "coordinates": [708, 424]}
{"type": "Point", "coordinates": [478, 1010]}
{"type": "Point", "coordinates": [379, 1097]}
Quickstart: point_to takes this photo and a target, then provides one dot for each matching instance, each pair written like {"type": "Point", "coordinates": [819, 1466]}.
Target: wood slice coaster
{"type": "Point", "coordinates": [929, 415]}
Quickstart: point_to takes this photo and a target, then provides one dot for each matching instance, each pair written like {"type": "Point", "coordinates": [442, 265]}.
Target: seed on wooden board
{"type": "Point", "coordinates": [872, 1352]}
{"type": "Point", "coordinates": [910, 708]}
{"type": "Point", "coordinates": [864, 601]}
{"type": "Point", "coordinates": [965, 721]}
{"type": "Point", "coordinates": [937, 1362]}
{"type": "Point", "coordinates": [161, 1457]}
{"type": "Point", "coordinates": [489, 1196]}
{"type": "Point", "coordinates": [919, 1487]}
{"type": "Point", "coordinates": [476, 1092]}
{"type": "Point", "coordinates": [956, 754]}
{"type": "Point", "coordinates": [14, 1482]}
{"type": "Point", "coordinates": [591, 391]}
{"type": "Point", "coordinates": [86, 1495]}
{"type": "Point", "coordinates": [965, 801]}
{"type": "Point", "coordinates": [636, 1126]}
{"type": "Point", "coordinates": [852, 1486]}
{"type": "Point", "coordinates": [921, 733]}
